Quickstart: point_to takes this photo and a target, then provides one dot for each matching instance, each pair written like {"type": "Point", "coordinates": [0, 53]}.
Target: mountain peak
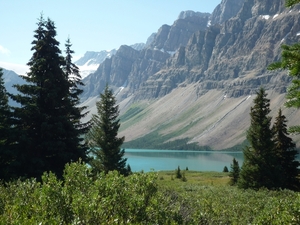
{"type": "Point", "coordinates": [225, 10]}
{"type": "Point", "coordinates": [190, 13]}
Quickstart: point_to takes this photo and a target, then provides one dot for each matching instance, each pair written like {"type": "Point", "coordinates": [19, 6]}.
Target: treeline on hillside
{"type": "Point", "coordinates": [153, 141]}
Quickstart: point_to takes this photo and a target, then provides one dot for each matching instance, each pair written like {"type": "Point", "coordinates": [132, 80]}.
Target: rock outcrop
{"type": "Point", "coordinates": [226, 10]}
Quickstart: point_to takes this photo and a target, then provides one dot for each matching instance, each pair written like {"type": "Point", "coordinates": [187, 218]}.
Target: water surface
{"type": "Point", "coordinates": [147, 160]}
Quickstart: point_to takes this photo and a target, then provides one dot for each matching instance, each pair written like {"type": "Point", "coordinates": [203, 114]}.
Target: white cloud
{"type": "Point", "coordinates": [17, 68]}
{"type": "Point", "coordinates": [4, 50]}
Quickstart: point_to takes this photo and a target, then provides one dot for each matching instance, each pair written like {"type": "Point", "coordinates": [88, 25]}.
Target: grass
{"type": "Point", "coordinates": [193, 178]}
{"type": "Point", "coordinates": [209, 198]}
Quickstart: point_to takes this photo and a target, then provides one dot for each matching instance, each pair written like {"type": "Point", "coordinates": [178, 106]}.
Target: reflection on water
{"type": "Point", "coordinates": [146, 160]}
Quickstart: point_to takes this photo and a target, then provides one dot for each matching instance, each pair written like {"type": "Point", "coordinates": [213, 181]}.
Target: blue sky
{"type": "Point", "coordinates": [92, 25]}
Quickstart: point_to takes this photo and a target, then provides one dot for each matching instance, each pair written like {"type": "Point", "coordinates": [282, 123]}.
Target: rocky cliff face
{"type": "Point", "coordinates": [233, 56]}
{"type": "Point", "coordinates": [226, 10]}
{"type": "Point", "coordinates": [133, 68]}
{"type": "Point", "coordinates": [170, 38]}
{"type": "Point", "coordinates": [226, 52]}
{"type": "Point", "coordinates": [231, 52]}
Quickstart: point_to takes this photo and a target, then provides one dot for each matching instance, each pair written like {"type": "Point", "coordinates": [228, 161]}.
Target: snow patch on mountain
{"type": "Point", "coordinates": [120, 89]}
{"type": "Point", "coordinates": [266, 17]}
{"type": "Point", "coordinates": [87, 69]}
{"type": "Point", "coordinates": [91, 60]}
{"type": "Point", "coordinates": [209, 23]}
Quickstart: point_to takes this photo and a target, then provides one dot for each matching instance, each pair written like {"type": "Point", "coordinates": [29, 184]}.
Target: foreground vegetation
{"type": "Point", "coordinates": [142, 198]}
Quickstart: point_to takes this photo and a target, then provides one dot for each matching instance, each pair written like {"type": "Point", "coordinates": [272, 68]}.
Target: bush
{"type": "Point", "coordinates": [82, 199]}
{"type": "Point", "coordinates": [137, 199]}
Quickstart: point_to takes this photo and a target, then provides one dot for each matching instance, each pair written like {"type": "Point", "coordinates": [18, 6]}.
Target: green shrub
{"type": "Point", "coordinates": [81, 199]}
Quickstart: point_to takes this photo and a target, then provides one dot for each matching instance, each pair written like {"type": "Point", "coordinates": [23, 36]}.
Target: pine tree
{"type": "Point", "coordinates": [102, 137]}
{"type": "Point", "coordinates": [48, 138]}
{"type": "Point", "coordinates": [258, 167]}
{"type": "Point", "coordinates": [291, 62]}
{"type": "Point", "coordinates": [178, 173]}
{"type": "Point", "coordinates": [6, 155]}
{"type": "Point", "coordinates": [285, 153]}
{"type": "Point", "coordinates": [225, 169]}
{"type": "Point", "coordinates": [291, 2]}
{"type": "Point", "coordinates": [234, 172]}
{"type": "Point", "coordinates": [75, 113]}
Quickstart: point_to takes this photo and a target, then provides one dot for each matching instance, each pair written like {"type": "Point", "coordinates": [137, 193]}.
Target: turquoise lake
{"type": "Point", "coordinates": [147, 160]}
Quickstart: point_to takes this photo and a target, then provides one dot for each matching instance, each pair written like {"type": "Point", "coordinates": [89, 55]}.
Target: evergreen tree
{"type": "Point", "coordinates": [178, 173]}
{"type": "Point", "coordinates": [225, 169]}
{"type": "Point", "coordinates": [285, 153]}
{"type": "Point", "coordinates": [48, 138]}
{"type": "Point", "coordinates": [291, 2]}
{"type": "Point", "coordinates": [258, 167]}
{"type": "Point", "coordinates": [291, 62]}
{"type": "Point", "coordinates": [102, 139]}
{"type": "Point", "coordinates": [6, 155]}
{"type": "Point", "coordinates": [76, 113]}
{"type": "Point", "coordinates": [234, 172]}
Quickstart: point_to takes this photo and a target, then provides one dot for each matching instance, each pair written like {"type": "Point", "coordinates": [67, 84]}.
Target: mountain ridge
{"type": "Point", "coordinates": [222, 56]}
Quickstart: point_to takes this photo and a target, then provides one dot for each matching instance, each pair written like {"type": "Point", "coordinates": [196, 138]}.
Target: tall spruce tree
{"type": "Point", "coordinates": [234, 172]}
{"type": "Point", "coordinates": [258, 169]}
{"type": "Point", "coordinates": [76, 113]}
{"type": "Point", "coordinates": [6, 155]}
{"type": "Point", "coordinates": [48, 138]}
{"type": "Point", "coordinates": [102, 138]}
{"type": "Point", "coordinates": [286, 154]}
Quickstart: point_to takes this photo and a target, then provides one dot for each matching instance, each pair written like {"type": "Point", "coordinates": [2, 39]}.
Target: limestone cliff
{"type": "Point", "coordinates": [225, 54]}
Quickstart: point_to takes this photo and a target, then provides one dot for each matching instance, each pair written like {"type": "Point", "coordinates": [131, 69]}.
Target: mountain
{"type": "Point", "coordinates": [91, 60]}
{"type": "Point", "coordinates": [133, 68]}
{"type": "Point", "coordinates": [10, 78]}
{"type": "Point", "coordinates": [226, 10]}
{"type": "Point", "coordinates": [195, 80]}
